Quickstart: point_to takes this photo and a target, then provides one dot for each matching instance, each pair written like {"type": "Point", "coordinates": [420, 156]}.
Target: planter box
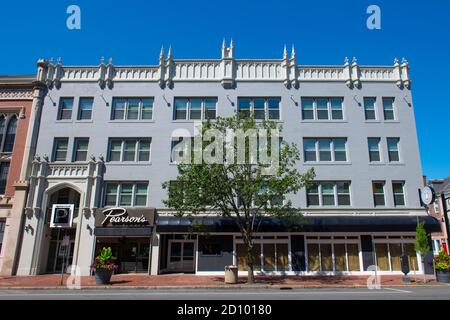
{"type": "Point", "coordinates": [443, 276]}
{"type": "Point", "coordinates": [103, 276]}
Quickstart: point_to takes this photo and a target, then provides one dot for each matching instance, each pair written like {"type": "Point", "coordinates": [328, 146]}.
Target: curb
{"type": "Point", "coordinates": [232, 287]}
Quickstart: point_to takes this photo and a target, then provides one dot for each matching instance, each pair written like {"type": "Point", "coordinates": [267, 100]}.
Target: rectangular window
{"type": "Point", "coordinates": [336, 109]}
{"type": "Point", "coordinates": [369, 108]}
{"type": "Point", "coordinates": [129, 194]}
{"type": "Point", "coordinates": [388, 109]}
{"type": "Point", "coordinates": [330, 193]}
{"type": "Point", "coordinates": [378, 193]}
{"type": "Point", "coordinates": [210, 108]}
{"type": "Point", "coordinates": [60, 149]}
{"type": "Point", "coordinates": [65, 109]}
{"type": "Point", "coordinates": [2, 232]}
{"type": "Point", "coordinates": [274, 108]}
{"type": "Point", "coordinates": [399, 196]}
{"type": "Point", "coordinates": [374, 149]}
{"type": "Point", "coordinates": [329, 149]}
{"type": "Point", "coordinates": [393, 152]}
{"type": "Point", "coordinates": [80, 149]}
{"type": "Point", "coordinates": [126, 194]}
{"type": "Point", "coordinates": [85, 108]}
{"type": "Point", "coordinates": [327, 194]}
{"type": "Point", "coordinates": [324, 149]}
{"type": "Point", "coordinates": [261, 108]}
{"type": "Point", "coordinates": [307, 109]}
{"type": "Point", "coordinates": [322, 109]}
{"type": "Point", "coordinates": [312, 194]}
{"type": "Point", "coordinates": [340, 153]}
{"type": "Point", "coordinates": [132, 109]}
{"type": "Point", "coordinates": [195, 108]}
{"type": "Point", "coordinates": [129, 150]}
{"type": "Point", "coordinates": [140, 198]}
{"type": "Point", "coordinates": [4, 170]}
{"type": "Point", "coordinates": [144, 150]}
{"type": "Point", "coordinates": [343, 193]}
{"type": "Point", "coordinates": [309, 146]}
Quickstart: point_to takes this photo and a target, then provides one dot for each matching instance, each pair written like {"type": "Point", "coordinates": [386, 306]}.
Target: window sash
{"type": "Point", "coordinates": [374, 149]}
{"type": "Point", "coordinates": [388, 109]}
{"type": "Point", "coordinates": [378, 193]}
{"type": "Point", "coordinates": [399, 193]}
{"type": "Point", "coordinates": [333, 193]}
{"type": "Point", "coordinates": [369, 108]}
{"type": "Point", "coordinates": [65, 109]}
{"type": "Point", "coordinates": [393, 149]}
{"type": "Point", "coordinates": [85, 108]}
{"type": "Point", "coordinates": [128, 194]}
{"type": "Point", "coordinates": [60, 149]}
{"type": "Point", "coordinates": [261, 108]}
{"type": "Point", "coordinates": [81, 149]}
{"type": "Point", "coordinates": [4, 170]}
{"type": "Point", "coordinates": [132, 108]}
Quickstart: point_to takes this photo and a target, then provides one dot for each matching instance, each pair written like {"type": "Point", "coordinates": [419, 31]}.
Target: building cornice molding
{"type": "Point", "coordinates": [226, 70]}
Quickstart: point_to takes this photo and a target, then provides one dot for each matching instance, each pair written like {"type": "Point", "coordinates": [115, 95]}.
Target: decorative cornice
{"type": "Point", "coordinates": [226, 70]}
{"type": "Point", "coordinates": [16, 94]}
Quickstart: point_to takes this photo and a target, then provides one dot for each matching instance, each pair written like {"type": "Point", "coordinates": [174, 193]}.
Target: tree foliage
{"type": "Point", "coordinates": [243, 192]}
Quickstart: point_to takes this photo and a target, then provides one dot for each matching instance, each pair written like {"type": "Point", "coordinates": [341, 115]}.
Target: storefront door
{"type": "Point", "coordinates": [181, 255]}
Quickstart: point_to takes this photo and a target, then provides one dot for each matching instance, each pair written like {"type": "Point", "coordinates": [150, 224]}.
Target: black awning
{"type": "Point", "coordinates": [123, 232]}
{"type": "Point", "coordinates": [305, 224]}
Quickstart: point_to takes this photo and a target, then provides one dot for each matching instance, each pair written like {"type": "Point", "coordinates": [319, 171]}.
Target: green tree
{"type": "Point", "coordinates": [421, 244]}
{"type": "Point", "coordinates": [244, 192]}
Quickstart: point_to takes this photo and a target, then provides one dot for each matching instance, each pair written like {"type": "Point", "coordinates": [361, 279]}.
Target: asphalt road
{"type": "Point", "coordinates": [398, 293]}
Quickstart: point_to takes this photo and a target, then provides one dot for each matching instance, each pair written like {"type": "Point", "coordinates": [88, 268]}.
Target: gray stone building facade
{"type": "Point", "coordinates": [105, 141]}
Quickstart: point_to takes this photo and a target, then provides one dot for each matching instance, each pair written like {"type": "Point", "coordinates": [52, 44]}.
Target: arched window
{"type": "Point", "coordinates": [2, 127]}
{"type": "Point", "coordinates": [10, 135]}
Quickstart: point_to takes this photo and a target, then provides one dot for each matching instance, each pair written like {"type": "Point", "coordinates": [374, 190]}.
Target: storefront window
{"type": "Point", "coordinates": [338, 254]}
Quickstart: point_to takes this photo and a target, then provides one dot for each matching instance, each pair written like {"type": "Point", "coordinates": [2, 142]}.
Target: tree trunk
{"type": "Point", "coordinates": [423, 268]}
{"type": "Point", "coordinates": [249, 260]}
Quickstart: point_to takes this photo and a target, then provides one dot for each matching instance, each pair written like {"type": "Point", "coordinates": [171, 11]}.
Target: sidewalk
{"type": "Point", "coordinates": [134, 281]}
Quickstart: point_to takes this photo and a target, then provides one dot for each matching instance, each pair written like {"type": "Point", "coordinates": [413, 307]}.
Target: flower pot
{"type": "Point", "coordinates": [443, 275]}
{"type": "Point", "coordinates": [103, 276]}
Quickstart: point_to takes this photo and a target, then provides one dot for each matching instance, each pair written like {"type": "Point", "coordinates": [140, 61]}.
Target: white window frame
{"type": "Point", "coordinates": [335, 194]}
{"type": "Point", "coordinates": [188, 108]}
{"type": "Point", "coordinates": [403, 193]}
{"type": "Point", "coordinates": [332, 150]}
{"type": "Point", "coordinates": [266, 106]}
{"type": "Point", "coordinates": [136, 150]}
{"type": "Point", "coordinates": [394, 114]}
{"type": "Point", "coordinates": [119, 190]}
{"type": "Point", "coordinates": [126, 105]}
{"type": "Point", "coordinates": [329, 108]}
{"type": "Point", "coordinates": [374, 108]}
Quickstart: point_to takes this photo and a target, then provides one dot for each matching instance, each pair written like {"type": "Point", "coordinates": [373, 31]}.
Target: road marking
{"type": "Point", "coordinates": [398, 290]}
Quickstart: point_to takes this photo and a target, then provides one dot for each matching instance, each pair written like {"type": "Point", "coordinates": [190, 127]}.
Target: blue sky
{"type": "Point", "coordinates": [323, 32]}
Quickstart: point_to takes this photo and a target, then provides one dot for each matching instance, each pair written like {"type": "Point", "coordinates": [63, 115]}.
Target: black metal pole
{"type": "Point", "coordinates": [444, 207]}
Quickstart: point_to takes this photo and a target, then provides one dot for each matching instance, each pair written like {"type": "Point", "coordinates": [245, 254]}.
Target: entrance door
{"type": "Point", "coordinates": [181, 255]}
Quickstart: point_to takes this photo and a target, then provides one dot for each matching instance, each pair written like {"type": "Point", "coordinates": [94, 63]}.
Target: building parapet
{"type": "Point", "coordinates": [226, 70]}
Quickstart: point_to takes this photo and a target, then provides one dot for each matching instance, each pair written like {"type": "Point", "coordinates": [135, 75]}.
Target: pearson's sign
{"type": "Point", "coordinates": [117, 216]}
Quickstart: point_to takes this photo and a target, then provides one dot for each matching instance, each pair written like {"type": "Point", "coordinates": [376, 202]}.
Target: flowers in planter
{"type": "Point", "coordinates": [442, 261]}
{"type": "Point", "coordinates": [105, 261]}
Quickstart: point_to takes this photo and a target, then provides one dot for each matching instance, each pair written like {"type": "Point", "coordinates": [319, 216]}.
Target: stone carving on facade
{"type": "Point", "coordinates": [227, 70]}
